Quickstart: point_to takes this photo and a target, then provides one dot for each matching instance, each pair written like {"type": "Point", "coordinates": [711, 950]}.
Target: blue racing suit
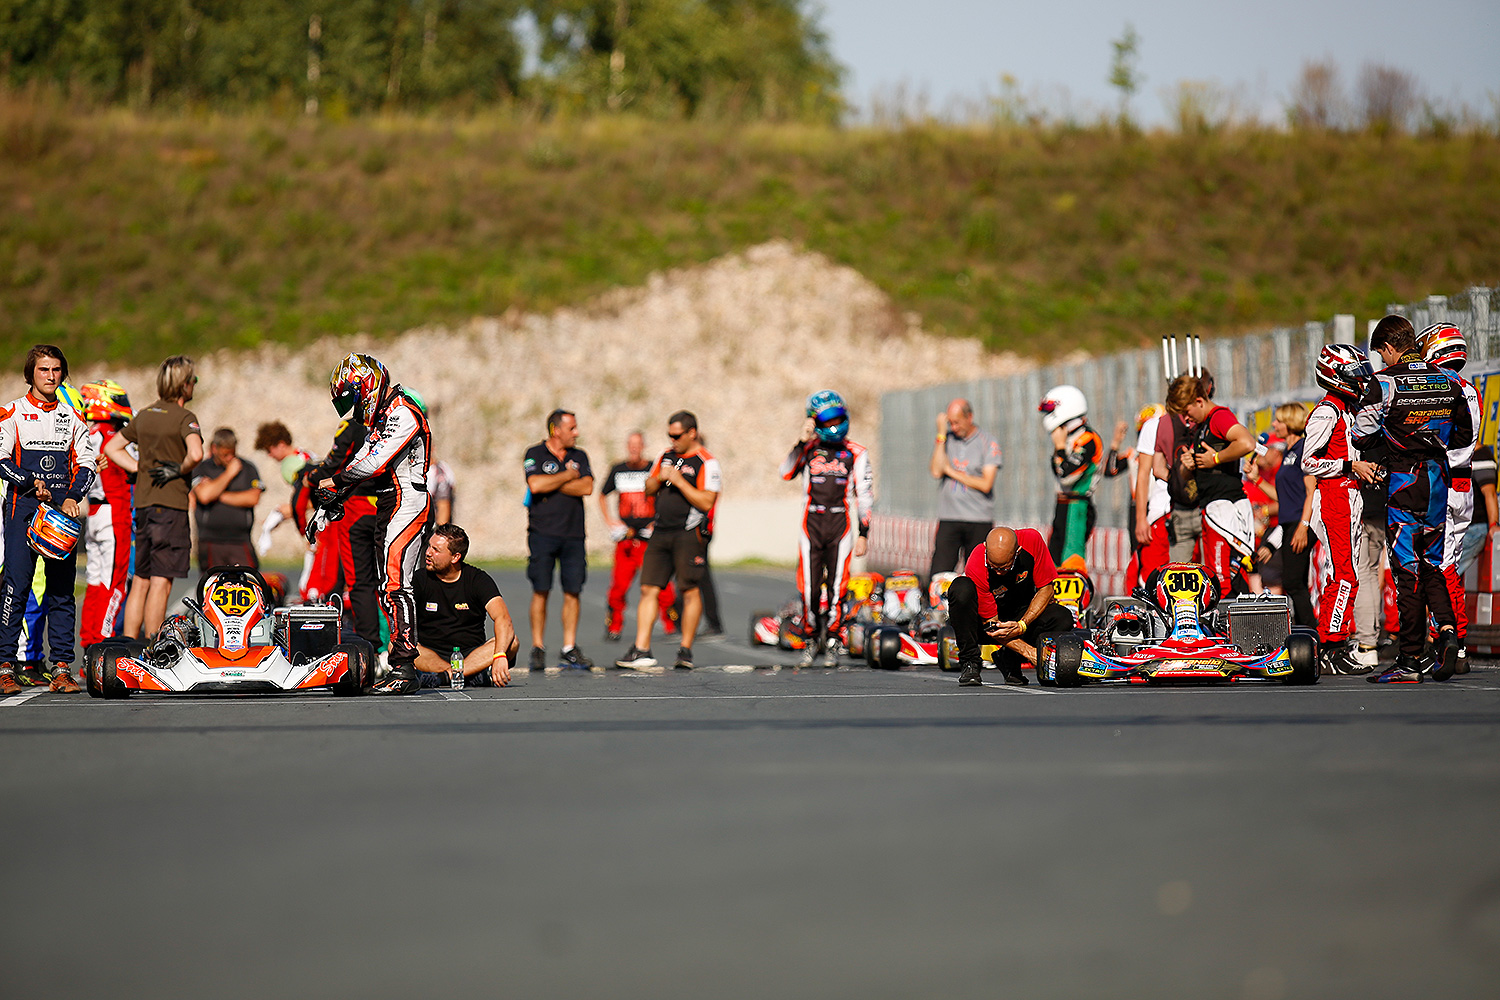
{"type": "Point", "coordinates": [1411, 415]}
{"type": "Point", "coordinates": [47, 442]}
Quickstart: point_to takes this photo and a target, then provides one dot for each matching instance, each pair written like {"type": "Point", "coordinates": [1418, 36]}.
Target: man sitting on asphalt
{"type": "Point", "coordinates": [453, 600]}
{"type": "Point", "coordinates": [1006, 587]}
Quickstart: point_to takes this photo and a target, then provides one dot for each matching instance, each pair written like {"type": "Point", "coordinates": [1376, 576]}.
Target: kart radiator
{"type": "Point", "coordinates": [306, 631]}
{"type": "Point", "coordinates": [1258, 625]}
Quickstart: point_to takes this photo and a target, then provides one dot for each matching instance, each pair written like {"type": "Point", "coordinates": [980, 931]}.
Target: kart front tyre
{"type": "Point", "coordinates": [947, 650]}
{"type": "Point", "coordinates": [887, 650]}
{"type": "Point", "coordinates": [1068, 657]}
{"type": "Point", "coordinates": [110, 685]}
{"type": "Point", "coordinates": [1302, 651]}
{"type": "Point", "coordinates": [353, 681]}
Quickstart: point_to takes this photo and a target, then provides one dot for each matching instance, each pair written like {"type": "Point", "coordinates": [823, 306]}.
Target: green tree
{"type": "Point", "coordinates": [1124, 74]}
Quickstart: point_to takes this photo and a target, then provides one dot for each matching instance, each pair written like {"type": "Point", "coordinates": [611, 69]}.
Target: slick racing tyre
{"type": "Point", "coordinates": [1302, 650]}
{"type": "Point", "coordinates": [357, 678]}
{"type": "Point", "coordinates": [110, 685]}
{"type": "Point", "coordinates": [1067, 657]}
{"type": "Point", "coordinates": [886, 649]}
{"type": "Point", "coordinates": [93, 660]}
{"type": "Point", "coordinates": [947, 650]}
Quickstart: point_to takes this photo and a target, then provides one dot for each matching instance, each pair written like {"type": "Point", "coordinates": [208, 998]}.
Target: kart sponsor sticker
{"type": "Point", "coordinates": [431, 605]}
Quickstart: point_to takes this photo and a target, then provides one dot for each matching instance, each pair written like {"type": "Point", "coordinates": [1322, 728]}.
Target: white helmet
{"type": "Point", "coordinates": [1061, 406]}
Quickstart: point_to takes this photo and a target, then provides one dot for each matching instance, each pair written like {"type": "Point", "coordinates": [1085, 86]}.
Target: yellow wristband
{"type": "Point", "coordinates": [942, 439]}
{"type": "Point", "coordinates": [1216, 458]}
{"type": "Point", "coordinates": [498, 656]}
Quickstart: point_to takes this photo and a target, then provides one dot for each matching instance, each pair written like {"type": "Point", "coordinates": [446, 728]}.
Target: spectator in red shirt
{"type": "Point", "coordinates": [1006, 593]}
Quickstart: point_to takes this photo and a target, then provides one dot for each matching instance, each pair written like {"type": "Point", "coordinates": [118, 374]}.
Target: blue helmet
{"type": "Point", "coordinates": [827, 408]}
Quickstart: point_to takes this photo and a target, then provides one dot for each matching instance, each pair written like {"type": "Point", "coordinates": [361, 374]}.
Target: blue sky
{"type": "Point", "coordinates": [1060, 49]}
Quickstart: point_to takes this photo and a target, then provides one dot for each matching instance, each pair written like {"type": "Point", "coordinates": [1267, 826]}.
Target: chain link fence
{"type": "Point", "coordinates": [1250, 371]}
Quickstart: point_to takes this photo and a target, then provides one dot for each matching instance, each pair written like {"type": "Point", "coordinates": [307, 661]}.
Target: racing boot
{"type": "Point", "coordinates": [1445, 660]}
{"type": "Point", "coordinates": [832, 650]}
{"type": "Point", "coordinates": [401, 680]}
{"type": "Point", "coordinates": [32, 677]}
{"type": "Point", "coordinates": [971, 675]}
{"type": "Point", "coordinates": [1338, 658]}
{"type": "Point", "coordinates": [1406, 670]}
{"type": "Point", "coordinates": [8, 683]}
{"type": "Point", "coordinates": [809, 654]}
{"type": "Point", "coordinates": [62, 680]}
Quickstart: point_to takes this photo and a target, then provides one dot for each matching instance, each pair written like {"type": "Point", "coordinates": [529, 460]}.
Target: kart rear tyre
{"type": "Point", "coordinates": [355, 681]}
{"type": "Point", "coordinates": [947, 650]}
{"type": "Point", "coordinates": [93, 659]}
{"type": "Point", "coordinates": [110, 685]}
{"type": "Point", "coordinates": [755, 617]}
{"type": "Point", "coordinates": [886, 652]}
{"type": "Point", "coordinates": [1069, 657]}
{"type": "Point", "coordinates": [1302, 650]}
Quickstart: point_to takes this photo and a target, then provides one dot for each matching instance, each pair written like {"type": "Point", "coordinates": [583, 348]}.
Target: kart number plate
{"type": "Point", "coordinates": [1067, 589]}
{"type": "Point", "coordinates": [233, 599]}
{"type": "Point", "coordinates": [1183, 584]}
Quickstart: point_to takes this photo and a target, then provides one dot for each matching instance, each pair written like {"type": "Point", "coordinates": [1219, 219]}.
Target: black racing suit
{"type": "Point", "coordinates": [1411, 415]}
{"type": "Point", "coordinates": [839, 482]}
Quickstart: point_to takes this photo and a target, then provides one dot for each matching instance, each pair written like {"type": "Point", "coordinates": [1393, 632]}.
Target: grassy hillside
{"type": "Point", "coordinates": [134, 237]}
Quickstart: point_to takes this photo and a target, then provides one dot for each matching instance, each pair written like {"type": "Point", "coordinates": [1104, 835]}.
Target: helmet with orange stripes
{"type": "Point", "coordinates": [1443, 344]}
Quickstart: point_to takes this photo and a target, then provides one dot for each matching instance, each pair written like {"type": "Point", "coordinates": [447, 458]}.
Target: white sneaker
{"type": "Point", "coordinates": [806, 659]}
{"type": "Point", "coordinates": [832, 652]}
{"type": "Point", "coordinates": [1366, 656]}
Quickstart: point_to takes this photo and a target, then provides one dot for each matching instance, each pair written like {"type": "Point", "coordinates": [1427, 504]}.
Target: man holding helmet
{"type": "Point", "coordinates": [1329, 456]}
{"type": "Point", "coordinates": [836, 520]}
{"type": "Point", "coordinates": [1443, 345]}
{"type": "Point", "coordinates": [393, 462]}
{"type": "Point", "coordinates": [48, 458]}
{"type": "Point", "coordinates": [1077, 452]}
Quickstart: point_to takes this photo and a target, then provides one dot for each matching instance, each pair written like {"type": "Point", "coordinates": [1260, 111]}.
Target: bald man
{"type": "Point", "coordinates": [1005, 594]}
{"type": "Point", "coordinates": [964, 460]}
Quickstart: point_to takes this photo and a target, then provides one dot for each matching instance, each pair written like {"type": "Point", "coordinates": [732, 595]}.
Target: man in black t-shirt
{"type": "Point", "coordinates": [558, 477]}
{"type": "Point", "coordinates": [454, 600]}
{"type": "Point", "coordinates": [629, 531]}
{"type": "Point", "coordinates": [227, 488]}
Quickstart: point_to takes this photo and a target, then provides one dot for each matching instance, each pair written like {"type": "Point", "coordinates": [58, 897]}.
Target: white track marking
{"type": "Point", "coordinates": [454, 696]}
{"type": "Point", "coordinates": [16, 701]}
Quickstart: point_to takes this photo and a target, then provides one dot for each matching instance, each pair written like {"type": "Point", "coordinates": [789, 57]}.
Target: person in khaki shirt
{"type": "Point", "coordinates": [169, 443]}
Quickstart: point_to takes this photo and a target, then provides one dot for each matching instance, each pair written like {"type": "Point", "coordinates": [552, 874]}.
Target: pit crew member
{"type": "Point", "coordinates": [1219, 442]}
{"type": "Point", "coordinates": [686, 482]}
{"type": "Point", "coordinates": [107, 535]}
{"type": "Point", "coordinates": [1411, 416]}
{"type": "Point", "coordinates": [392, 460]}
{"type": "Point", "coordinates": [454, 600]}
{"type": "Point", "coordinates": [1077, 456]}
{"type": "Point", "coordinates": [1443, 345]}
{"type": "Point", "coordinates": [630, 530]}
{"type": "Point", "coordinates": [47, 456]}
{"type": "Point", "coordinates": [558, 477]}
{"type": "Point", "coordinates": [965, 460]}
{"type": "Point", "coordinates": [1005, 593]}
{"type": "Point", "coordinates": [836, 518]}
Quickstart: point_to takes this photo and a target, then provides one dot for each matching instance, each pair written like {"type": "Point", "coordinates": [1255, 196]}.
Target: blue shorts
{"type": "Point", "coordinates": [568, 554]}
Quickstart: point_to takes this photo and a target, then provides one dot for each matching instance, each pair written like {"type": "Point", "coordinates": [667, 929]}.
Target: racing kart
{"type": "Point", "coordinates": [783, 627]}
{"type": "Point", "coordinates": [1176, 630]}
{"type": "Point", "coordinates": [234, 640]}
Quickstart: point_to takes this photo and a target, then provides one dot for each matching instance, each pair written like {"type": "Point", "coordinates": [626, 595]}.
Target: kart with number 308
{"type": "Point", "coordinates": [1176, 630]}
{"type": "Point", "coordinates": [232, 640]}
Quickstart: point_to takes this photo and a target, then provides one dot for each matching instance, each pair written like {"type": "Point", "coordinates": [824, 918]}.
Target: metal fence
{"type": "Point", "coordinates": [1259, 368]}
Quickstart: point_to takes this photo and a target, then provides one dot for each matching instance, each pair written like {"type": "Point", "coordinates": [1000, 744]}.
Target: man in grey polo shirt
{"type": "Point", "coordinates": [965, 460]}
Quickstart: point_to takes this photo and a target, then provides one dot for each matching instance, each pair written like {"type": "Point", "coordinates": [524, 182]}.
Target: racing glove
{"type": "Point", "coordinates": [165, 473]}
{"type": "Point", "coordinates": [325, 498]}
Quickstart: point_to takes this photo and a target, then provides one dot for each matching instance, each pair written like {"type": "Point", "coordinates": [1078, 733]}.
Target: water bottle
{"type": "Point", "coordinates": [456, 668]}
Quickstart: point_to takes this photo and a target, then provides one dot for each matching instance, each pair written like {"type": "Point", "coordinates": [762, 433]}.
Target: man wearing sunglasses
{"type": "Point", "coordinates": [686, 482]}
{"type": "Point", "coordinates": [1005, 597]}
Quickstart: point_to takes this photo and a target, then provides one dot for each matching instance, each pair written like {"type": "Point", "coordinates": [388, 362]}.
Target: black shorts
{"type": "Point", "coordinates": [568, 554]}
{"type": "Point", "coordinates": [162, 543]}
{"type": "Point", "coordinates": [680, 555]}
{"type": "Point", "coordinates": [213, 554]}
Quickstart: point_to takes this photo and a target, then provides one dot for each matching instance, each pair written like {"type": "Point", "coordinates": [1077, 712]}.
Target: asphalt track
{"type": "Point", "coordinates": [743, 830]}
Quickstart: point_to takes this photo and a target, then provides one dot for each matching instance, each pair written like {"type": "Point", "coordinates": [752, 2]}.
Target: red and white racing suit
{"type": "Point", "coordinates": [393, 462]}
{"type": "Point", "coordinates": [107, 537]}
{"type": "Point", "coordinates": [1337, 507]}
{"type": "Point", "coordinates": [839, 482]}
{"type": "Point", "coordinates": [1460, 511]}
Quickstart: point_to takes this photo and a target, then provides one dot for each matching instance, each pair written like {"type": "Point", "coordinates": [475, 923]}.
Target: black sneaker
{"type": "Point", "coordinates": [1445, 664]}
{"type": "Point", "coordinates": [1338, 658]}
{"type": "Point", "coordinates": [636, 658]}
{"type": "Point", "coordinates": [1016, 679]}
{"type": "Point", "coordinates": [684, 659]}
{"type": "Point", "coordinates": [573, 659]}
{"type": "Point", "coordinates": [1406, 670]}
{"type": "Point", "coordinates": [401, 680]}
{"type": "Point", "coordinates": [971, 676]}
{"type": "Point", "coordinates": [31, 677]}
{"type": "Point", "coordinates": [538, 659]}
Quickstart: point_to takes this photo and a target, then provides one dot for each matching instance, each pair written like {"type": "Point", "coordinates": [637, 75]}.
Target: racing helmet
{"type": "Point", "coordinates": [105, 401]}
{"type": "Point", "coordinates": [1343, 370]}
{"type": "Point", "coordinates": [358, 384]}
{"type": "Point", "coordinates": [1147, 412]}
{"type": "Point", "coordinates": [832, 416]}
{"type": "Point", "coordinates": [1443, 344]}
{"type": "Point", "coordinates": [53, 534]}
{"type": "Point", "coordinates": [1062, 406]}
